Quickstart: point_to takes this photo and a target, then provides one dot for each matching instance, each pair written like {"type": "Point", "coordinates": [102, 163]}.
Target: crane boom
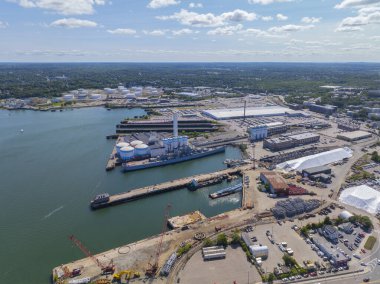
{"type": "Point", "coordinates": [153, 267]}
{"type": "Point", "coordinates": [106, 269]}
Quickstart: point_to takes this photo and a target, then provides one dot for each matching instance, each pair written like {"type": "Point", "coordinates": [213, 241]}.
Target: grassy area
{"type": "Point", "coordinates": [370, 243]}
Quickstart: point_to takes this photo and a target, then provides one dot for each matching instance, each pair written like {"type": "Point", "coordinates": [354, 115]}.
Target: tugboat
{"type": "Point", "coordinates": [100, 200]}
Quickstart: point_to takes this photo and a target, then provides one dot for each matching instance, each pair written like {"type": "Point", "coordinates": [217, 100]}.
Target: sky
{"type": "Point", "coordinates": [190, 30]}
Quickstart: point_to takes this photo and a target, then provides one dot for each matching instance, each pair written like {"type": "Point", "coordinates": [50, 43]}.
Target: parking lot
{"type": "Point", "coordinates": [282, 233]}
{"type": "Point", "coordinates": [235, 267]}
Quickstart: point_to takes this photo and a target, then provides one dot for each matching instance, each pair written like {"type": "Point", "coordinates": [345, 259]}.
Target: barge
{"type": "Point", "coordinates": [227, 191]}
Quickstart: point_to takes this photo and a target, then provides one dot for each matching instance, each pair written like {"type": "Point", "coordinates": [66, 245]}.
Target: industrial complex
{"type": "Point", "coordinates": [303, 182]}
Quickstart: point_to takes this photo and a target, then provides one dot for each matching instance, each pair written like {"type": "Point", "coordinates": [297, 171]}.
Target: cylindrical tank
{"type": "Point", "coordinates": [130, 96]}
{"type": "Point", "coordinates": [127, 153]}
{"type": "Point", "coordinates": [134, 143]}
{"type": "Point", "coordinates": [142, 150]}
{"type": "Point", "coordinates": [121, 145]}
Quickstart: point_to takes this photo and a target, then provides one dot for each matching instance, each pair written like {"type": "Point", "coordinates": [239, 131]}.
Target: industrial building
{"type": "Point", "coordinates": [259, 251]}
{"type": "Point", "coordinates": [287, 142]}
{"type": "Point", "coordinates": [258, 132]}
{"type": "Point", "coordinates": [336, 257]}
{"type": "Point", "coordinates": [262, 131]}
{"type": "Point", "coordinates": [354, 135]}
{"type": "Point", "coordinates": [362, 197]}
{"type": "Point", "coordinates": [276, 183]}
{"type": "Point", "coordinates": [235, 113]}
{"type": "Point", "coordinates": [348, 126]}
{"type": "Point", "coordinates": [315, 160]}
{"type": "Point", "coordinates": [331, 233]}
{"type": "Point", "coordinates": [315, 171]}
{"type": "Point", "coordinates": [324, 109]}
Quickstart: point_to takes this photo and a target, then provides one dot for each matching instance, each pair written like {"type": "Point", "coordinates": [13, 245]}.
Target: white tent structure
{"type": "Point", "coordinates": [363, 197]}
{"type": "Point", "coordinates": [316, 160]}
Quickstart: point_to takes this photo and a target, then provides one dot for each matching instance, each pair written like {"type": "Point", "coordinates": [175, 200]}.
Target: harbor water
{"type": "Point", "coordinates": [51, 170]}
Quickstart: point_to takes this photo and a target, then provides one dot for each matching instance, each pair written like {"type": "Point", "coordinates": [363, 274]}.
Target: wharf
{"type": "Point", "coordinates": [113, 159]}
{"type": "Point", "coordinates": [166, 187]}
{"type": "Point", "coordinates": [248, 189]}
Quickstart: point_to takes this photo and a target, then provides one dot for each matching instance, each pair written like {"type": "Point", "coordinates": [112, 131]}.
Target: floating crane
{"type": "Point", "coordinates": [106, 269]}
{"type": "Point", "coordinates": [153, 267]}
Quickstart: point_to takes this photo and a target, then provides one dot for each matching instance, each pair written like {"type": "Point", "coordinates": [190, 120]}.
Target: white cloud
{"type": "Point", "coordinates": [290, 28]}
{"type": "Point", "coordinates": [73, 23]}
{"type": "Point", "coordinates": [281, 17]}
{"type": "Point", "coordinates": [122, 31]}
{"type": "Point", "coordinates": [188, 18]}
{"type": "Point", "coordinates": [195, 5]}
{"type": "Point", "coordinates": [356, 3]}
{"type": "Point", "coordinates": [266, 18]}
{"type": "Point", "coordinates": [266, 2]}
{"type": "Point", "coordinates": [156, 32]}
{"type": "Point", "coordinates": [155, 4]}
{"type": "Point", "coordinates": [227, 30]}
{"type": "Point", "coordinates": [348, 29]}
{"type": "Point", "coordinates": [310, 20]}
{"type": "Point", "coordinates": [183, 32]}
{"type": "Point", "coordinates": [3, 25]}
{"type": "Point", "coordinates": [365, 17]}
{"type": "Point", "coordinates": [65, 7]}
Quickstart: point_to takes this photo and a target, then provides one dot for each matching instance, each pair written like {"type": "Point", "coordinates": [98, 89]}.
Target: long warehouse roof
{"type": "Point", "coordinates": [316, 160]}
{"type": "Point", "coordinates": [229, 113]}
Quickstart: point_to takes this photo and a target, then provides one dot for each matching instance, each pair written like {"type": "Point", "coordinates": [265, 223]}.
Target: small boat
{"type": "Point", "coordinates": [22, 130]}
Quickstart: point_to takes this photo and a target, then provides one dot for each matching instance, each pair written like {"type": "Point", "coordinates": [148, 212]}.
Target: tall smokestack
{"type": "Point", "coordinates": [175, 124]}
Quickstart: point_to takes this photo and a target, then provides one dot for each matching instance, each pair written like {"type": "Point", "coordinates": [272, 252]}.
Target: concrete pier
{"type": "Point", "coordinates": [248, 189]}
{"type": "Point", "coordinates": [113, 159]}
{"type": "Point", "coordinates": [165, 187]}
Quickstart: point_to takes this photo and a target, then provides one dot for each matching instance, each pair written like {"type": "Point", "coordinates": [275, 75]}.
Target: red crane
{"type": "Point", "coordinates": [106, 269]}
{"type": "Point", "coordinates": [151, 271]}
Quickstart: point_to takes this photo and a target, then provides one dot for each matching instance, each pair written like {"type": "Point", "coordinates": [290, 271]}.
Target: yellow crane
{"type": "Point", "coordinates": [129, 274]}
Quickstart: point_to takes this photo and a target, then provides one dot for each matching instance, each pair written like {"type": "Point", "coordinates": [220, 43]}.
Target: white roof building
{"type": "Point", "coordinates": [233, 113]}
{"type": "Point", "coordinates": [316, 160]}
{"type": "Point", "coordinates": [362, 197]}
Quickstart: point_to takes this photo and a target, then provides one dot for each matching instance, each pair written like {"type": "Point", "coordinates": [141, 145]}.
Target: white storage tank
{"type": "Point", "coordinates": [130, 96]}
{"type": "Point", "coordinates": [259, 251]}
{"type": "Point", "coordinates": [121, 145]}
{"type": "Point", "coordinates": [142, 150]}
{"type": "Point", "coordinates": [127, 153]}
{"type": "Point", "coordinates": [134, 143]}
{"type": "Point", "coordinates": [82, 96]}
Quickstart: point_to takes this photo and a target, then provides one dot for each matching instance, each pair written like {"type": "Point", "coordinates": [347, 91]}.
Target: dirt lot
{"type": "Point", "coordinates": [234, 267]}
{"type": "Point", "coordinates": [282, 233]}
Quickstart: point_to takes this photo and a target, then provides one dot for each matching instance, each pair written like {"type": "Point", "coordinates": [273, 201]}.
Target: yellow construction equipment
{"type": "Point", "coordinates": [129, 274]}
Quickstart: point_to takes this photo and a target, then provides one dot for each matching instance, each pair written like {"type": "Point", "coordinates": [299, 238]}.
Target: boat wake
{"type": "Point", "coordinates": [53, 212]}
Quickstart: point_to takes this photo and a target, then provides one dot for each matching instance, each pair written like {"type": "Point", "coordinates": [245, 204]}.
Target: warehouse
{"type": "Point", "coordinates": [286, 142]}
{"type": "Point", "coordinates": [326, 109]}
{"type": "Point", "coordinates": [348, 126]}
{"type": "Point", "coordinates": [235, 113]}
{"type": "Point", "coordinates": [354, 135]}
{"type": "Point", "coordinates": [277, 184]}
{"type": "Point", "coordinates": [315, 171]}
{"type": "Point", "coordinates": [319, 159]}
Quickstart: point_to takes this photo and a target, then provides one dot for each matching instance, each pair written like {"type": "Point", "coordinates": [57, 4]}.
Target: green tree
{"type": "Point", "coordinates": [327, 221]}
{"type": "Point", "coordinates": [235, 238]}
{"type": "Point", "coordinates": [221, 240]}
{"type": "Point", "coordinates": [271, 277]}
{"type": "Point", "coordinates": [208, 242]}
{"type": "Point", "coordinates": [289, 261]}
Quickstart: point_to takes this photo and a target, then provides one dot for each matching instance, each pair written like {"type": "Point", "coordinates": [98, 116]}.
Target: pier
{"type": "Point", "coordinates": [248, 189]}
{"type": "Point", "coordinates": [113, 159]}
{"type": "Point", "coordinates": [166, 187]}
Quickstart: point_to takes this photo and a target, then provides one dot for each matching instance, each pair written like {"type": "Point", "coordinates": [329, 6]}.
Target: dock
{"type": "Point", "coordinates": [113, 159]}
{"type": "Point", "coordinates": [248, 189]}
{"type": "Point", "coordinates": [166, 187]}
